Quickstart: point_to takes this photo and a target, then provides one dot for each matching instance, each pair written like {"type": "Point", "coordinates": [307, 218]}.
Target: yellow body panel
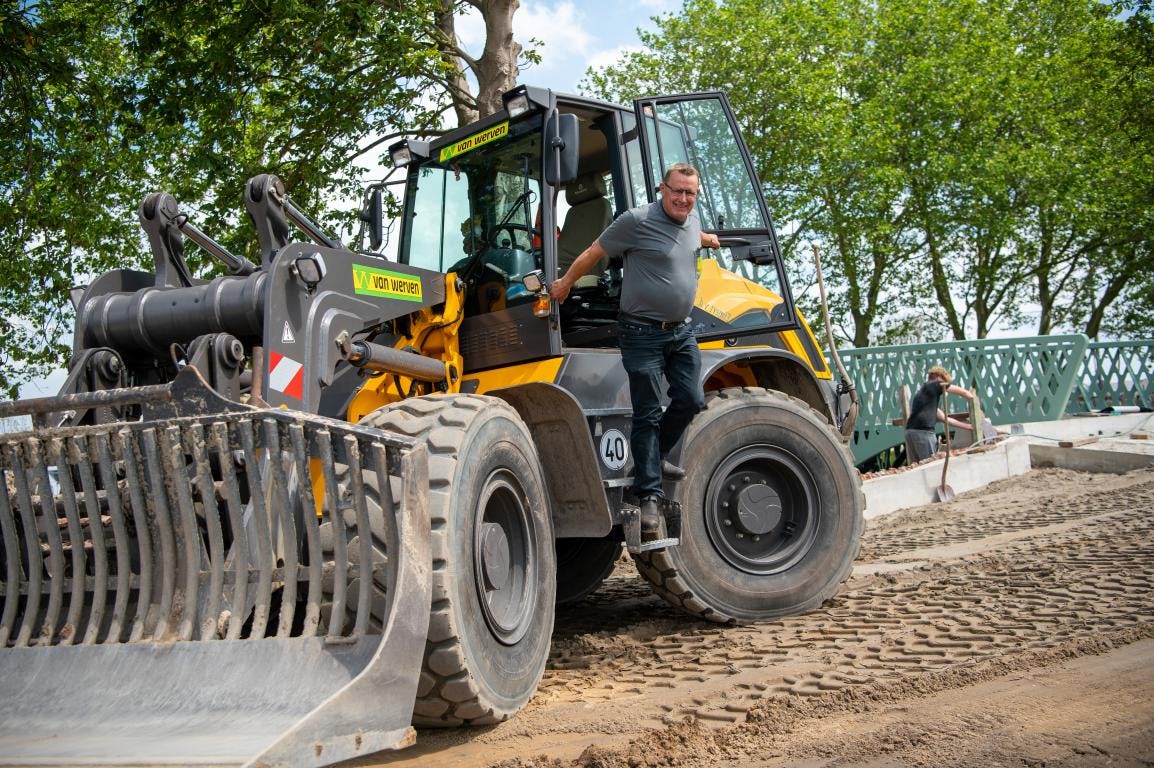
{"type": "Point", "coordinates": [433, 332]}
{"type": "Point", "coordinates": [523, 373]}
{"type": "Point", "coordinates": [727, 296]}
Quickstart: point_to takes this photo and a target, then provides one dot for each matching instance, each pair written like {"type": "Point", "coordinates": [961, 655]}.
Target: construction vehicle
{"type": "Point", "coordinates": [281, 516]}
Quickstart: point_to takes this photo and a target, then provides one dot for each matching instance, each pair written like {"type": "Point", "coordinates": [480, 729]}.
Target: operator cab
{"type": "Point", "coordinates": [530, 187]}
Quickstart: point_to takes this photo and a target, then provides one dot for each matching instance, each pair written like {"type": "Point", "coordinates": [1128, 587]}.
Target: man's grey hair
{"type": "Point", "coordinates": [685, 169]}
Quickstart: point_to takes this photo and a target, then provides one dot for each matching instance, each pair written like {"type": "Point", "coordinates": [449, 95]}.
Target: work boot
{"type": "Point", "coordinates": [650, 518]}
{"type": "Point", "coordinates": [671, 471]}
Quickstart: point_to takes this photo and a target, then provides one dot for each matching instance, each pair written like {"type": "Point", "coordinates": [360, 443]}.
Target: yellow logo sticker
{"type": "Point", "coordinates": [477, 139]}
{"type": "Point", "coordinates": [390, 285]}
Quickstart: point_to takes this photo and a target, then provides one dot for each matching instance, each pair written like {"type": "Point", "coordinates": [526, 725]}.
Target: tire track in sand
{"type": "Point", "coordinates": [623, 661]}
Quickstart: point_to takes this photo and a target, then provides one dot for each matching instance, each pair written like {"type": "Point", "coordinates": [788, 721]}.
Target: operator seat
{"type": "Point", "coordinates": [589, 215]}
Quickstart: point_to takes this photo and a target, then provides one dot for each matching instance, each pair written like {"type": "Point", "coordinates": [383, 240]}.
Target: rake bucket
{"type": "Point", "coordinates": [208, 583]}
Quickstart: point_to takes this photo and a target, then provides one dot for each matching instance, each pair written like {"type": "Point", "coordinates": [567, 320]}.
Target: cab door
{"type": "Point", "coordinates": [700, 129]}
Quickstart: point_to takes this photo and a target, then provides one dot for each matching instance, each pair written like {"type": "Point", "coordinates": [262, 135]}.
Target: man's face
{"type": "Point", "coordinates": [678, 194]}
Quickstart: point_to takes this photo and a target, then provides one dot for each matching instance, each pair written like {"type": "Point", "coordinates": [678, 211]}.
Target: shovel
{"type": "Point", "coordinates": [944, 492]}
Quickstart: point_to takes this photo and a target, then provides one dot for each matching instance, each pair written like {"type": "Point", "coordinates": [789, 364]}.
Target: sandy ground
{"type": "Point", "coordinates": [1013, 626]}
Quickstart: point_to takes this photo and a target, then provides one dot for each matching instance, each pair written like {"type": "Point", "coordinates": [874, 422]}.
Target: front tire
{"type": "Point", "coordinates": [771, 511]}
{"type": "Point", "coordinates": [493, 570]}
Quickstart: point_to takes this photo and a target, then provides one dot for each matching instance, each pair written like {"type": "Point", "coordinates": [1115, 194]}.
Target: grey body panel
{"type": "Point", "coordinates": [300, 325]}
{"type": "Point", "coordinates": [504, 337]}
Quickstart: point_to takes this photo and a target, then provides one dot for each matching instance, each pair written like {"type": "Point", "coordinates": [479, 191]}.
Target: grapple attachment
{"type": "Point", "coordinates": [208, 582]}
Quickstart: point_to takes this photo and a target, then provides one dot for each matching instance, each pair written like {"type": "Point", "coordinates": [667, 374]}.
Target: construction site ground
{"type": "Point", "coordinates": [1011, 626]}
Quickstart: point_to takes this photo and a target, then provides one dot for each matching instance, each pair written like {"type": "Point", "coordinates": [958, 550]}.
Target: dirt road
{"type": "Point", "coordinates": [1012, 626]}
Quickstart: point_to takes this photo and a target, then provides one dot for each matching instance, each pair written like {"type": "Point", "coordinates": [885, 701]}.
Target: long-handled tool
{"type": "Point", "coordinates": [944, 492]}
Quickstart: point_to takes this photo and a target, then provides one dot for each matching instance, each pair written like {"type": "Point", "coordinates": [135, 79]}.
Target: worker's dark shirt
{"type": "Point", "coordinates": [924, 406]}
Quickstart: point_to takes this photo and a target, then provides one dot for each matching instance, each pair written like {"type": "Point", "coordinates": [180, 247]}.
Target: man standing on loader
{"type": "Point", "coordinates": [658, 243]}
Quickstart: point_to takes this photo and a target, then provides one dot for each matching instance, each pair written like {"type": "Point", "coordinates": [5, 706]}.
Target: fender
{"type": "Point", "coordinates": [561, 435]}
{"type": "Point", "coordinates": [770, 368]}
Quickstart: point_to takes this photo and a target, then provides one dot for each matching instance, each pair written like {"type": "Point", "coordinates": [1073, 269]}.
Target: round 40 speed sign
{"type": "Point", "coordinates": [614, 449]}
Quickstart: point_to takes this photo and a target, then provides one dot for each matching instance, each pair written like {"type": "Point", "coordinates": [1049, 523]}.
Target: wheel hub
{"type": "Point", "coordinates": [495, 556]}
{"type": "Point", "coordinates": [758, 509]}
{"type": "Point", "coordinates": [761, 509]}
{"type": "Point", "coordinates": [503, 558]}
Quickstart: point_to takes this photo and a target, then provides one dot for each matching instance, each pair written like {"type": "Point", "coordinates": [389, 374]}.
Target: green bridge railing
{"type": "Point", "coordinates": [1018, 380]}
{"type": "Point", "coordinates": [1115, 373]}
{"type": "Point", "coordinates": [1037, 378]}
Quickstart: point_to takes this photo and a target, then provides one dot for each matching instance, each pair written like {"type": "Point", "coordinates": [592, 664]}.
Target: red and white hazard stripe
{"type": "Point", "coordinates": [285, 375]}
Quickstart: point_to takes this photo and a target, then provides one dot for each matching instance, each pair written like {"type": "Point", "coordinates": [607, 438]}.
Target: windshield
{"type": "Point", "coordinates": [476, 203]}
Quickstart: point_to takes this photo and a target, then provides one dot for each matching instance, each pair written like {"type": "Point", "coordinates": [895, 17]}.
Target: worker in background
{"type": "Point", "coordinates": [921, 439]}
{"type": "Point", "coordinates": [658, 243]}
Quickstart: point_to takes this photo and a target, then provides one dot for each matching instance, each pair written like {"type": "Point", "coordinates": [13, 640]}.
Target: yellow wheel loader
{"type": "Point", "coordinates": [281, 516]}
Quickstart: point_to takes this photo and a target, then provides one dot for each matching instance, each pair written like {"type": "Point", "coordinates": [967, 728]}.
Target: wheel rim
{"type": "Point", "coordinates": [761, 510]}
{"type": "Point", "coordinates": [503, 561]}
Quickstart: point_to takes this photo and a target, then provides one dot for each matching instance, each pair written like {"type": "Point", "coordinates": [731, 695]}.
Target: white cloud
{"type": "Point", "coordinates": [612, 56]}
{"type": "Point", "coordinates": [566, 42]}
{"type": "Point", "coordinates": [470, 29]}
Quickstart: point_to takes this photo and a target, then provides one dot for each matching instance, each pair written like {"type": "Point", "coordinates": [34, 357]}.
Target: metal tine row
{"type": "Point", "coordinates": [140, 551]}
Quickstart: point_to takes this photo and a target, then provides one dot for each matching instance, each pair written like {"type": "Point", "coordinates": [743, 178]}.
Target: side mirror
{"type": "Point", "coordinates": [373, 214]}
{"type": "Point", "coordinates": [561, 132]}
{"type": "Point", "coordinates": [534, 281]}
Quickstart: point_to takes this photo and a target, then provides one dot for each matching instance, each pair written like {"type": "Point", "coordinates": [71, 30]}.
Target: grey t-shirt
{"type": "Point", "coordinates": [660, 261]}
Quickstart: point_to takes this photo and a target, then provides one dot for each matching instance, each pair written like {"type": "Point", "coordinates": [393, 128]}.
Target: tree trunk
{"type": "Point", "coordinates": [458, 84]}
{"type": "Point", "coordinates": [496, 69]}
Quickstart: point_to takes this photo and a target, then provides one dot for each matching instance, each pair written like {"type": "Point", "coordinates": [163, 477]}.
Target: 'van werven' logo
{"type": "Point", "coordinates": [390, 285]}
{"type": "Point", "coordinates": [498, 131]}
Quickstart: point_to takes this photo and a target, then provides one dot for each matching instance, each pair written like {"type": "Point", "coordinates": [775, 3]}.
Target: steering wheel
{"type": "Point", "coordinates": [512, 229]}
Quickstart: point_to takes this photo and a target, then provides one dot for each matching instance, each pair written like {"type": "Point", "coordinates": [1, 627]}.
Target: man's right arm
{"type": "Point", "coordinates": [954, 389]}
{"type": "Point", "coordinates": [560, 288]}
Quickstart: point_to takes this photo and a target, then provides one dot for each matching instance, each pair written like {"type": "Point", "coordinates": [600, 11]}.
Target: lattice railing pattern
{"type": "Point", "coordinates": [1018, 380]}
{"type": "Point", "coordinates": [1116, 373]}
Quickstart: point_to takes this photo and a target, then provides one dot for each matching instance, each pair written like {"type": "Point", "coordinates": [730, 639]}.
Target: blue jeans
{"type": "Point", "coordinates": [650, 354]}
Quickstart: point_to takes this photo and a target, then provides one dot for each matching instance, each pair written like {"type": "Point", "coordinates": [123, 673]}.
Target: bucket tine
{"type": "Point", "coordinates": [171, 594]}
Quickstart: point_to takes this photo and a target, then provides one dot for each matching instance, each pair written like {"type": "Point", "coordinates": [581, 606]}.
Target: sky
{"type": "Point", "coordinates": [576, 35]}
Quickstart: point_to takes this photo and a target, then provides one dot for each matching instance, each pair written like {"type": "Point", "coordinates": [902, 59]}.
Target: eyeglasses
{"type": "Point", "coordinates": [675, 192]}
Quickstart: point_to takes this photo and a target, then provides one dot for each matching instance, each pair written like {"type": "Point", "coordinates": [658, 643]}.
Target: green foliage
{"type": "Point", "coordinates": [104, 102]}
{"type": "Point", "coordinates": [958, 159]}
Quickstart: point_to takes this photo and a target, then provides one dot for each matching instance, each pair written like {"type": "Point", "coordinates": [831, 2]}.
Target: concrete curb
{"type": "Point", "coordinates": [916, 486]}
{"type": "Point", "coordinates": [1032, 445]}
{"type": "Point", "coordinates": [1089, 459]}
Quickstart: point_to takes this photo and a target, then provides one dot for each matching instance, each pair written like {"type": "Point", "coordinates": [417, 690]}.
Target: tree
{"type": "Point", "coordinates": [1095, 229]}
{"type": "Point", "coordinates": [104, 102]}
{"type": "Point", "coordinates": [495, 70]}
{"type": "Point", "coordinates": [816, 124]}
{"type": "Point", "coordinates": [959, 158]}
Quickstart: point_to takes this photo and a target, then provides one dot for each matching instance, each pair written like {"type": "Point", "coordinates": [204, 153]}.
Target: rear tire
{"type": "Point", "coordinates": [493, 569]}
{"type": "Point", "coordinates": [582, 564]}
{"type": "Point", "coordinates": [771, 511]}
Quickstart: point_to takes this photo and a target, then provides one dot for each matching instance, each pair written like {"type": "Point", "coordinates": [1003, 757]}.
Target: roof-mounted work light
{"type": "Point", "coordinates": [524, 99]}
{"type": "Point", "coordinates": [516, 103]}
{"type": "Point", "coordinates": [404, 152]}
